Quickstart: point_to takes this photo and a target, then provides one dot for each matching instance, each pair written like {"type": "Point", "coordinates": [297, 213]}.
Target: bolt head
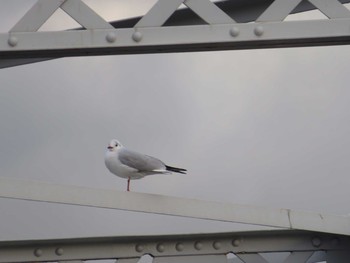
{"type": "Point", "coordinates": [217, 245]}
{"type": "Point", "coordinates": [160, 247]}
{"type": "Point", "coordinates": [234, 31]}
{"type": "Point", "coordinates": [139, 248]}
{"type": "Point", "coordinates": [316, 241]}
{"type": "Point", "coordinates": [259, 31]}
{"type": "Point", "coordinates": [236, 242]}
{"type": "Point", "coordinates": [198, 245]}
{"type": "Point", "coordinates": [111, 37]}
{"type": "Point", "coordinates": [12, 41]}
{"type": "Point", "coordinates": [38, 252]}
{"type": "Point", "coordinates": [179, 247]}
{"type": "Point", "coordinates": [137, 36]}
{"type": "Point", "coordinates": [59, 251]}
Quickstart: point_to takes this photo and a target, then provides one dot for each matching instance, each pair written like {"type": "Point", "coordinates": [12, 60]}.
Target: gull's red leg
{"type": "Point", "coordinates": [128, 189]}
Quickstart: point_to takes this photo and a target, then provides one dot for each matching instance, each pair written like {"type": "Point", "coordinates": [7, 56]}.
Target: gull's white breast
{"type": "Point", "coordinates": [116, 167]}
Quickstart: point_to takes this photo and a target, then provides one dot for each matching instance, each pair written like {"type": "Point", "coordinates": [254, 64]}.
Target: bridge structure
{"type": "Point", "coordinates": [295, 236]}
{"type": "Point", "coordinates": [203, 25]}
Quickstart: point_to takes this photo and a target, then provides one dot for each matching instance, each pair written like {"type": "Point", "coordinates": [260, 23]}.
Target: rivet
{"type": "Point", "coordinates": [236, 242]}
{"type": "Point", "coordinates": [316, 241]}
{"type": "Point", "coordinates": [179, 247]}
{"type": "Point", "coordinates": [137, 36]}
{"type": "Point", "coordinates": [160, 247]}
{"type": "Point", "coordinates": [38, 252]}
{"type": "Point", "coordinates": [59, 251]}
{"type": "Point", "coordinates": [217, 245]}
{"type": "Point", "coordinates": [198, 245]}
{"type": "Point", "coordinates": [12, 41]}
{"type": "Point", "coordinates": [234, 31]}
{"type": "Point", "coordinates": [259, 31]}
{"type": "Point", "coordinates": [111, 37]}
{"type": "Point", "coordinates": [139, 248]}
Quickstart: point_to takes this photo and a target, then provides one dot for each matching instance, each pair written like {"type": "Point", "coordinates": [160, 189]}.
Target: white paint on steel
{"type": "Point", "coordinates": [174, 206]}
{"type": "Point", "coordinates": [297, 256]}
{"type": "Point", "coordinates": [209, 12]}
{"type": "Point", "coordinates": [159, 13]}
{"type": "Point", "coordinates": [37, 16]}
{"type": "Point", "coordinates": [150, 36]}
{"type": "Point", "coordinates": [280, 9]}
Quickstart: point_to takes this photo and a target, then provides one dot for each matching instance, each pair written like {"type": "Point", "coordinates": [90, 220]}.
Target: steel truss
{"type": "Point", "coordinates": [241, 24]}
{"type": "Point", "coordinates": [307, 237]}
{"type": "Point", "coordinates": [248, 247]}
{"type": "Point", "coordinates": [164, 28]}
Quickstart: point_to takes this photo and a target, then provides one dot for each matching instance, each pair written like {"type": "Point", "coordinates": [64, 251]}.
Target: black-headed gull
{"type": "Point", "coordinates": [133, 165]}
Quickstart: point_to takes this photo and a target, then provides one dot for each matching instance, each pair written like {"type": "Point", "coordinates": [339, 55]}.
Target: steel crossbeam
{"type": "Point", "coordinates": [173, 206]}
{"type": "Point", "coordinates": [164, 28]}
{"type": "Point", "coordinates": [249, 247]}
{"type": "Point", "coordinates": [307, 237]}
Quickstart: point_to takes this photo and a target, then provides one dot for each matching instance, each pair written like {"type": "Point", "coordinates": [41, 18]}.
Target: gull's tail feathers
{"type": "Point", "coordinates": [175, 169]}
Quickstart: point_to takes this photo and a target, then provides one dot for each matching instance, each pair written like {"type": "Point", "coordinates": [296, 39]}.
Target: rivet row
{"type": "Point", "coordinates": [39, 252]}
{"type": "Point", "coordinates": [137, 36]}
{"type": "Point", "coordinates": [198, 245]}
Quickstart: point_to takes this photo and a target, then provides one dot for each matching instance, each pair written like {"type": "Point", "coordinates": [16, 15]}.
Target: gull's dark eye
{"type": "Point", "coordinates": [116, 144]}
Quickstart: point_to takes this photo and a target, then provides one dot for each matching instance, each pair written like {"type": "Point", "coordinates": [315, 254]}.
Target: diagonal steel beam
{"type": "Point", "coordinates": [331, 8]}
{"type": "Point", "coordinates": [174, 206]}
{"type": "Point", "coordinates": [84, 15]}
{"type": "Point", "coordinates": [159, 13]}
{"type": "Point", "coordinates": [37, 15]}
{"type": "Point", "coordinates": [251, 258]}
{"type": "Point", "coordinates": [298, 256]}
{"type": "Point", "coordinates": [278, 10]}
{"type": "Point", "coordinates": [44, 9]}
{"type": "Point", "coordinates": [209, 12]}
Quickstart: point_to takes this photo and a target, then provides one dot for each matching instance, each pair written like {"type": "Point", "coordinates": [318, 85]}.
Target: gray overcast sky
{"type": "Point", "coordinates": [258, 127]}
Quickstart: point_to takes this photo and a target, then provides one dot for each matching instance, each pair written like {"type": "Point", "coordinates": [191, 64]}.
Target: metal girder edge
{"type": "Point", "coordinates": [251, 258]}
{"type": "Point", "coordinates": [173, 39]}
{"type": "Point", "coordinates": [192, 259]}
{"type": "Point", "coordinates": [174, 206]}
{"type": "Point", "coordinates": [133, 247]}
{"type": "Point", "coordinates": [250, 10]}
{"type": "Point", "coordinates": [298, 256]}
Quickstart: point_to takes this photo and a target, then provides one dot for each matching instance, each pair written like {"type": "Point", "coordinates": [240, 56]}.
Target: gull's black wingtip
{"type": "Point", "coordinates": [175, 169]}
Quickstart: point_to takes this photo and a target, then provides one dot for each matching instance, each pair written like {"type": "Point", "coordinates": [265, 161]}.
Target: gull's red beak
{"type": "Point", "coordinates": [110, 147]}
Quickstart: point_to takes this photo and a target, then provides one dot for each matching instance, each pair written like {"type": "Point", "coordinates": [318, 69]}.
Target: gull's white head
{"type": "Point", "coordinates": [114, 145]}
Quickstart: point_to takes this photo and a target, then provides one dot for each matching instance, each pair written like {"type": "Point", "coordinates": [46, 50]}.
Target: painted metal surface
{"type": "Point", "coordinates": [226, 25]}
{"type": "Point", "coordinates": [174, 206]}
{"type": "Point", "coordinates": [246, 246]}
{"type": "Point", "coordinates": [239, 24]}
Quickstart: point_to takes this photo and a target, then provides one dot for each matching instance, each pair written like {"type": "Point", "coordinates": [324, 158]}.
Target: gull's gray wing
{"type": "Point", "coordinates": [140, 162]}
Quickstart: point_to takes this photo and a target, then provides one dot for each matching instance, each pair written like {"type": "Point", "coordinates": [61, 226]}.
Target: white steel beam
{"type": "Point", "coordinates": [84, 15]}
{"type": "Point", "coordinates": [174, 39]}
{"type": "Point", "coordinates": [174, 206]}
{"type": "Point", "coordinates": [251, 258]}
{"type": "Point", "coordinates": [37, 15]}
{"type": "Point", "coordinates": [159, 13]}
{"type": "Point", "coordinates": [192, 259]}
{"type": "Point", "coordinates": [280, 9]}
{"type": "Point", "coordinates": [43, 10]}
{"type": "Point", "coordinates": [209, 12]}
{"type": "Point", "coordinates": [214, 247]}
{"type": "Point", "coordinates": [331, 8]}
{"type": "Point", "coordinates": [225, 25]}
{"type": "Point", "coordinates": [298, 256]}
